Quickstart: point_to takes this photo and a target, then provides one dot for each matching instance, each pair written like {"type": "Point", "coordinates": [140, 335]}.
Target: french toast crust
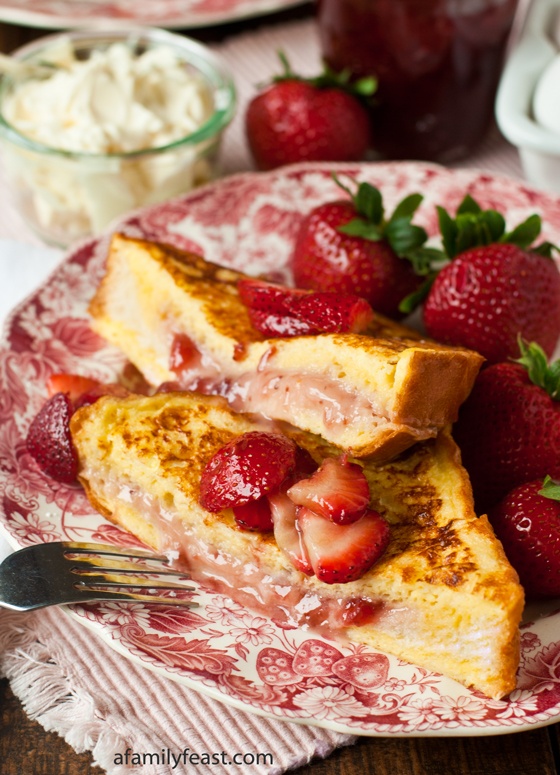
{"type": "Point", "coordinates": [443, 564]}
{"type": "Point", "coordinates": [414, 386]}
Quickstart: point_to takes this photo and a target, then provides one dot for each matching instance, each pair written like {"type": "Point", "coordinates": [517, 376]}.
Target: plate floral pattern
{"type": "Point", "coordinates": [60, 14]}
{"type": "Point", "coordinates": [248, 221]}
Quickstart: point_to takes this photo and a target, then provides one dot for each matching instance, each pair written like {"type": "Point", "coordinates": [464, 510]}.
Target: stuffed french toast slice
{"type": "Point", "coordinates": [180, 319]}
{"type": "Point", "coordinates": [441, 595]}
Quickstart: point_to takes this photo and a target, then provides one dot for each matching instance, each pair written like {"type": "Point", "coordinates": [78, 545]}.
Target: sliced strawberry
{"type": "Point", "coordinates": [49, 441]}
{"type": "Point", "coordinates": [342, 553]}
{"type": "Point", "coordinates": [338, 491]}
{"type": "Point", "coordinates": [248, 467]}
{"type": "Point", "coordinates": [305, 464]}
{"type": "Point", "coordinates": [254, 515]}
{"type": "Point", "coordinates": [74, 385]}
{"type": "Point", "coordinates": [286, 532]}
{"type": "Point", "coordinates": [183, 353]}
{"type": "Point", "coordinates": [334, 312]}
{"type": "Point", "coordinates": [279, 311]}
{"type": "Point", "coordinates": [270, 324]}
{"type": "Point", "coordinates": [268, 297]}
{"type": "Point", "coordinates": [83, 390]}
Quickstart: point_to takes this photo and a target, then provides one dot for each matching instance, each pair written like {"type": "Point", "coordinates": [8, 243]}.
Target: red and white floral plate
{"type": "Point", "coordinates": [249, 221]}
{"type": "Point", "coordinates": [179, 14]}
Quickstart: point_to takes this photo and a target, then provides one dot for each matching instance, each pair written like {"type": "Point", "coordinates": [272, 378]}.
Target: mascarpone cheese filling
{"type": "Point", "coordinates": [105, 109]}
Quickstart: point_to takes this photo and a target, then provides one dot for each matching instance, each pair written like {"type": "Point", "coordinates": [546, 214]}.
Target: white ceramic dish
{"type": "Point", "coordinates": [173, 14]}
{"type": "Point", "coordinates": [248, 221]}
{"type": "Point", "coordinates": [537, 46]}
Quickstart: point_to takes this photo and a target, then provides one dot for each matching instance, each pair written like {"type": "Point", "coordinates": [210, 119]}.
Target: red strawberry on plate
{"type": "Point", "coordinates": [276, 310]}
{"type": "Point", "coordinates": [49, 441]}
{"type": "Point", "coordinates": [74, 385]}
{"type": "Point", "coordinates": [334, 312]}
{"type": "Point", "coordinates": [287, 533]}
{"type": "Point", "coordinates": [248, 467]}
{"type": "Point", "coordinates": [348, 246]}
{"type": "Point", "coordinates": [527, 522]}
{"type": "Point", "coordinates": [317, 119]}
{"type": "Point", "coordinates": [509, 427]}
{"type": "Point", "coordinates": [497, 286]}
{"type": "Point", "coordinates": [343, 553]}
{"type": "Point", "coordinates": [254, 515]}
{"type": "Point", "coordinates": [83, 390]}
{"type": "Point", "coordinates": [338, 490]}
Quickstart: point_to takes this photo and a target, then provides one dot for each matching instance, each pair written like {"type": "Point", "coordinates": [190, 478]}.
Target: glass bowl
{"type": "Point", "coordinates": [65, 195]}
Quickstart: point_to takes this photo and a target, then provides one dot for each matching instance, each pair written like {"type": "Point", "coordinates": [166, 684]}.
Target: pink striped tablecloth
{"type": "Point", "coordinates": [67, 679]}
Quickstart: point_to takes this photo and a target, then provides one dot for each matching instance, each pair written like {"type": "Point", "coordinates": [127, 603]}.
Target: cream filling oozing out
{"type": "Point", "coordinates": [282, 395]}
{"type": "Point", "coordinates": [243, 579]}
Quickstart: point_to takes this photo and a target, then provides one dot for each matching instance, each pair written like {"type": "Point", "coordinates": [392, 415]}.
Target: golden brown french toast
{"type": "Point", "coordinates": [442, 596]}
{"type": "Point", "coordinates": [374, 393]}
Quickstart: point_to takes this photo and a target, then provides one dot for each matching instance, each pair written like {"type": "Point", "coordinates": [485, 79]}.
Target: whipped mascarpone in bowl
{"type": "Point", "coordinates": [121, 120]}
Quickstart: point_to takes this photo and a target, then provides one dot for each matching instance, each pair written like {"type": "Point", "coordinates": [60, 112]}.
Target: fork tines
{"type": "Point", "coordinates": [124, 573]}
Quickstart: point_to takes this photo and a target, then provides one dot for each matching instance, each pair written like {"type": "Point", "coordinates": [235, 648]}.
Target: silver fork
{"type": "Point", "coordinates": [74, 572]}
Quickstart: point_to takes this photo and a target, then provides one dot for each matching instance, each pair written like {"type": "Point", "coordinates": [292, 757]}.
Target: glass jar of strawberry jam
{"type": "Point", "coordinates": [438, 64]}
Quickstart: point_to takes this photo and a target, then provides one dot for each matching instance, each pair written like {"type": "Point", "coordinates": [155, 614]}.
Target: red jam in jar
{"type": "Point", "coordinates": [438, 63]}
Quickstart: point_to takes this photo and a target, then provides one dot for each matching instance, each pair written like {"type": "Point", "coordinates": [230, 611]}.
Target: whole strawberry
{"type": "Point", "coordinates": [317, 119]}
{"type": "Point", "coordinates": [527, 522]}
{"type": "Point", "coordinates": [245, 469]}
{"type": "Point", "coordinates": [509, 427]}
{"type": "Point", "coordinates": [348, 246]}
{"type": "Point", "coordinates": [496, 288]}
{"type": "Point", "coordinates": [49, 441]}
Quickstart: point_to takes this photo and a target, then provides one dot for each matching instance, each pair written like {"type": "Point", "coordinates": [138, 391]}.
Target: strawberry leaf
{"type": "Point", "coordinates": [362, 88]}
{"type": "Point", "coordinates": [407, 207]}
{"type": "Point", "coordinates": [468, 205]}
{"type": "Point", "coordinates": [357, 227]}
{"type": "Point", "coordinates": [473, 227]}
{"type": "Point", "coordinates": [494, 224]}
{"type": "Point", "coordinates": [406, 239]}
{"type": "Point", "coordinates": [524, 234]}
{"type": "Point", "coordinates": [545, 249]}
{"type": "Point", "coordinates": [467, 233]}
{"type": "Point", "coordinates": [425, 259]}
{"type": "Point", "coordinates": [414, 299]}
{"type": "Point", "coordinates": [533, 358]}
{"type": "Point", "coordinates": [365, 87]}
{"type": "Point", "coordinates": [403, 236]}
{"type": "Point", "coordinates": [369, 203]}
{"type": "Point", "coordinates": [550, 489]}
{"type": "Point", "coordinates": [449, 230]}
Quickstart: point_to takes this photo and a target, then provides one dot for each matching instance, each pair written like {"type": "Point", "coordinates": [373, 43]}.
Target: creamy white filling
{"type": "Point", "coordinates": [279, 395]}
{"type": "Point", "coordinates": [284, 396]}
